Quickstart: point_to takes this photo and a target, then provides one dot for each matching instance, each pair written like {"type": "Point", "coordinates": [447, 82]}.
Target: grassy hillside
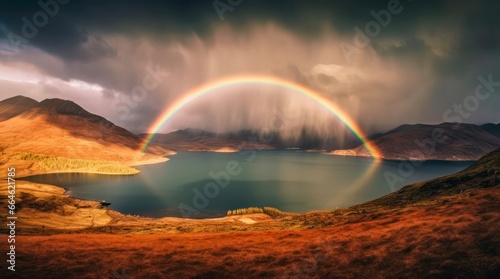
{"type": "Point", "coordinates": [66, 137]}
{"type": "Point", "coordinates": [442, 228]}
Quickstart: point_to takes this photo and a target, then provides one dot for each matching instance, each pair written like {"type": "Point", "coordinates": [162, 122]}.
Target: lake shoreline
{"type": "Point", "coordinates": [191, 169]}
{"type": "Point", "coordinates": [70, 214]}
{"type": "Point", "coordinates": [83, 171]}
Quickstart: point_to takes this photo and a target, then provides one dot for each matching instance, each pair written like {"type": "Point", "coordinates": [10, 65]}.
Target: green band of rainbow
{"type": "Point", "coordinates": [224, 83]}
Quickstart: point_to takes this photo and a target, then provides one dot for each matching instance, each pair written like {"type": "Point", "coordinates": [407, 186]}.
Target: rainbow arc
{"type": "Point", "coordinates": [235, 81]}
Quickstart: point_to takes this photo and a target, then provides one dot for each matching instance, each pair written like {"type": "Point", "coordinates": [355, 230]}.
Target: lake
{"type": "Point", "coordinates": [207, 184]}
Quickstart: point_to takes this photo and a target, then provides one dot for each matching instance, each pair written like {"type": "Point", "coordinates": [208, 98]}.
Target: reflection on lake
{"type": "Point", "coordinates": [288, 180]}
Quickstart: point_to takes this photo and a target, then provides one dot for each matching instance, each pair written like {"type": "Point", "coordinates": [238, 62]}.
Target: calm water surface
{"type": "Point", "coordinates": [289, 180]}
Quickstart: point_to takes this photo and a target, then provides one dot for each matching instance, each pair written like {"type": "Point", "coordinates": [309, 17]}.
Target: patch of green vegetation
{"type": "Point", "coordinates": [241, 211]}
{"type": "Point", "coordinates": [68, 164]}
{"type": "Point", "coordinates": [273, 212]}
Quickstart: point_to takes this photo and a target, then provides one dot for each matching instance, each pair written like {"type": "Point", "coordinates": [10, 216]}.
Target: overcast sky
{"type": "Point", "coordinates": [410, 68]}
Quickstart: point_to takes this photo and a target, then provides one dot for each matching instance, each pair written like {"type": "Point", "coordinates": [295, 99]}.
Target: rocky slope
{"type": "Point", "coordinates": [446, 141]}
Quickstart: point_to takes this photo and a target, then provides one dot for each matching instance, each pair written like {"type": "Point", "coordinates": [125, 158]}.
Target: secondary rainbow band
{"type": "Point", "coordinates": [215, 86]}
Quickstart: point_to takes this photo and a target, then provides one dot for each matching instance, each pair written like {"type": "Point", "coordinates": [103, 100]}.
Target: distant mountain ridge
{"type": "Point", "coordinates": [446, 141]}
{"type": "Point", "coordinates": [491, 128]}
{"type": "Point", "coordinates": [55, 126]}
{"type": "Point", "coordinates": [196, 139]}
{"type": "Point", "coordinates": [463, 142]}
{"type": "Point", "coordinates": [199, 140]}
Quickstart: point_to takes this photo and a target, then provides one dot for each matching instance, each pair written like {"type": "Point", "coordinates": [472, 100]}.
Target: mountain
{"type": "Point", "coordinates": [199, 140]}
{"type": "Point", "coordinates": [81, 123]}
{"type": "Point", "coordinates": [491, 128]}
{"type": "Point", "coordinates": [33, 131]}
{"type": "Point", "coordinates": [14, 106]}
{"type": "Point", "coordinates": [446, 141]}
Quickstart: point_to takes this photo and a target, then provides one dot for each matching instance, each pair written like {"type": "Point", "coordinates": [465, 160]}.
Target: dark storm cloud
{"type": "Point", "coordinates": [66, 32]}
{"type": "Point", "coordinates": [79, 22]}
{"type": "Point", "coordinates": [76, 21]}
{"type": "Point", "coordinates": [429, 54]}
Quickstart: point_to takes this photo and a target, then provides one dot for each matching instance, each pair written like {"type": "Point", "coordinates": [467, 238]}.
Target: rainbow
{"type": "Point", "coordinates": [215, 86]}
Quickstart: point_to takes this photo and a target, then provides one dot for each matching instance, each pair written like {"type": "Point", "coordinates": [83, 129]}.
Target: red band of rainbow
{"type": "Point", "coordinates": [212, 87]}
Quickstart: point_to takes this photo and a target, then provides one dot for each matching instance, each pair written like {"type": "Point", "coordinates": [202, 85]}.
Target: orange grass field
{"type": "Point", "coordinates": [459, 238]}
